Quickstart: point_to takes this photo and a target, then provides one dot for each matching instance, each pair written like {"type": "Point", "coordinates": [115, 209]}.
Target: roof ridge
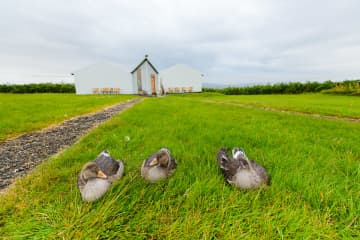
{"type": "Point", "coordinates": [142, 62]}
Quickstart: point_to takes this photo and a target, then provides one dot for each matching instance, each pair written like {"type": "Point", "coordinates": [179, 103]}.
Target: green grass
{"type": "Point", "coordinates": [28, 112]}
{"type": "Point", "coordinates": [339, 105]}
{"type": "Point", "coordinates": [314, 165]}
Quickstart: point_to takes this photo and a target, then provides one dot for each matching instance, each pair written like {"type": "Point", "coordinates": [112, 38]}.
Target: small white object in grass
{"type": "Point", "coordinates": [186, 192]}
{"type": "Point", "coordinates": [127, 138]}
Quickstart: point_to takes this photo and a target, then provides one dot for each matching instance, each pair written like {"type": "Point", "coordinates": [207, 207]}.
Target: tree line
{"type": "Point", "coordinates": [38, 88]}
{"type": "Point", "coordinates": [349, 87]}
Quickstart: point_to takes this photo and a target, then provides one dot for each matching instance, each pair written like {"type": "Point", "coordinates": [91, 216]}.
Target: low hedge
{"type": "Point", "coordinates": [38, 88]}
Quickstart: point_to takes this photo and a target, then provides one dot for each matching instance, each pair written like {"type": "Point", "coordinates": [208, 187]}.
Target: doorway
{"type": "Point", "coordinates": [153, 87]}
{"type": "Point", "coordinates": [139, 83]}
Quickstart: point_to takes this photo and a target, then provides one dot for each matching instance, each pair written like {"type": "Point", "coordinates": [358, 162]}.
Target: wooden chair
{"type": "Point", "coordinates": [117, 90]}
{"type": "Point", "coordinates": [95, 90]}
{"type": "Point", "coordinates": [104, 90]}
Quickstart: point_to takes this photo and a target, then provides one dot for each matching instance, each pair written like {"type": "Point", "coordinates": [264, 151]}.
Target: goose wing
{"type": "Point", "coordinates": [261, 171]}
{"type": "Point", "coordinates": [173, 163]}
{"type": "Point", "coordinates": [227, 164]}
{"type": "Point", "coordinates": [107, 164]}
{"type": "Point", "coordinates": [149, 162]}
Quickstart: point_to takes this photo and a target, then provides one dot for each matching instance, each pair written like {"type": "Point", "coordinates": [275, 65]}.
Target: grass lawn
{"type": "Point", "coordinates": [28, 112]}
{"type": "Point", "coordinates": [325, 104]}
{"type": "Point", "coordinates": [314, 165]}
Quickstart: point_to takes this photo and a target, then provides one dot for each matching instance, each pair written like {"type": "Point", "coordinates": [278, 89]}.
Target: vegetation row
{"type": "Point", "coordinates": [38, 88]}
{"type": "Point", "coordinates": [348, 87]}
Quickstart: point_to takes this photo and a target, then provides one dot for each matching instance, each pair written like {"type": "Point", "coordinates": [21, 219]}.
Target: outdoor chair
{"type": "Point", "coordinates": [95, 90]}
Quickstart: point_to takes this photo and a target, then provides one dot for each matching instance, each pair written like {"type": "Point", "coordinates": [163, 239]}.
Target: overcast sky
{"type": "Point", "coordinates": [231, 42]}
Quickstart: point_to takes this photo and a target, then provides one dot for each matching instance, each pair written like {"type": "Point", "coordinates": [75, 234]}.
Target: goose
{"type": "Point", "coordinates": [158, 166]}
{"type": "Point", "coordinates": [97, 176]}
{"type": "Point", "coordinates": [238, 170]}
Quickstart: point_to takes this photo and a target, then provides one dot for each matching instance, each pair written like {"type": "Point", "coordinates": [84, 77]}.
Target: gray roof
{"type": "Point", "coordinates": [145, 60]}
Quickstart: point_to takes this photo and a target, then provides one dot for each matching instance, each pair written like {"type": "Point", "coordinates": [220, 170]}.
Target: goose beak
{"type": "Point", "coordinates": [154, 162]}
{"type": "Point", "coordinates": [100, 174]}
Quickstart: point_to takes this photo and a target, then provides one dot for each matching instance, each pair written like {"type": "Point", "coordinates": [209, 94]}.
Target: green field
{"type": "Point", "coordinates": [313, 162]}
{"type": "Point", "coordinates": [324, 104]}
{"type": "Point", "coordinates": [28, 112]}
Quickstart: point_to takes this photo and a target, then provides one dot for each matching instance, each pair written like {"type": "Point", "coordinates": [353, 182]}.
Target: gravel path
{"type": "Point", "coordinates": [20, 155]}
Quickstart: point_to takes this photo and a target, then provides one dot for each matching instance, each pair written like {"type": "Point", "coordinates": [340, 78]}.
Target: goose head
{"type": "Point", "coordinates": [90, 171]}
{"type": "Point", "coordinates": [238, 153]}
{"type": "Point", "coordinates": [105, 153]}
{"type": "Point", "coordinates": [158, 166]}
{"type": "Point", "coordinates": [161, 159]}
{"type": "Point", "coordinates": [240, 156]}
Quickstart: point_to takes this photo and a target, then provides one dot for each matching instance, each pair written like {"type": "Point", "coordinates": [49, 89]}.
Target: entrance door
{"type": "Point", "coordinates": [138, 76]}
{"type": "Point", "coordinates": [153, 88]}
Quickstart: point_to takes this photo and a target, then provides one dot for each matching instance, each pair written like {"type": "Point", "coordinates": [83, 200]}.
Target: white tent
{"type": "Point", "coordinates": [181, 78]}
{"type": "Point", "coordinates": [104, 78]}
{"type": "Point", "coordinates": [107, 78]}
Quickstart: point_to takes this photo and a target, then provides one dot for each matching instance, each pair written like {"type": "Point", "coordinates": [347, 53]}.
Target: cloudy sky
{"type": "Point", "coordinates": [231, 42]}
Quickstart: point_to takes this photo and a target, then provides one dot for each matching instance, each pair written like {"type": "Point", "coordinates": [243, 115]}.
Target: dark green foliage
{"type": "Point", "coordinates": [38, 88]}
{"type": "Point", "coordinates": [348, 87]}
{"type": "Point", "coordinates": [277, 88]}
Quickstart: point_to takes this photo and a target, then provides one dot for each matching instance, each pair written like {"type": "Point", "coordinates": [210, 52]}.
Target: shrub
{"type": "Point", "coordinates": [277, 88]}
{"type": "Point", "coordinates": [348, 87]}
{"type": "Point", "coordinates": [38, 88]}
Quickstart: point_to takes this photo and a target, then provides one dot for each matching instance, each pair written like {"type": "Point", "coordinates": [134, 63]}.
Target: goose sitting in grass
{"type": "Point", "coordinates": [158, 166]}
{"type": "Point", "coordinates": [240, 171]}
{"type": "Point", "coordinates": [96, 176]}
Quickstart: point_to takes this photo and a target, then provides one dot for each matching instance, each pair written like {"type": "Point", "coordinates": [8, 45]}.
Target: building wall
{"type": "Point", "coordinates": [181, 76]}
{"type": "Point", "coordinates": [103, 76]}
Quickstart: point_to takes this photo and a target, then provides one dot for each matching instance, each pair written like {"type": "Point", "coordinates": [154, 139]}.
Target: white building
{"type": "Point", "coordinates": [181, 78]}
{"type": "Point", "coordinates": [103, 78]}
{"type": "Point", "coordinates": [145, 79]}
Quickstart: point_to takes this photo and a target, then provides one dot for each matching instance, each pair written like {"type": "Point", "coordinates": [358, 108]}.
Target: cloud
{"type": "Point", "coordinates": [230, 41]}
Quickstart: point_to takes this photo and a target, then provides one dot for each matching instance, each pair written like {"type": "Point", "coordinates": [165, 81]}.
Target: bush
{"type": "Point", "coordinates": [38, 88]}
{"type": "Point", "coordinates": [348, 87]}
{"type": "Point", "coordinates": [277, 88]}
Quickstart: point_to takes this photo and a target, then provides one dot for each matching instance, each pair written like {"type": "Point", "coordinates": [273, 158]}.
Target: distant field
{"type": "Point", "coordinates": [27, 112]}
{"type": "Point", "coordinates": [313, 162]}
{"type": "Point", "coordinates": [336, 105]}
